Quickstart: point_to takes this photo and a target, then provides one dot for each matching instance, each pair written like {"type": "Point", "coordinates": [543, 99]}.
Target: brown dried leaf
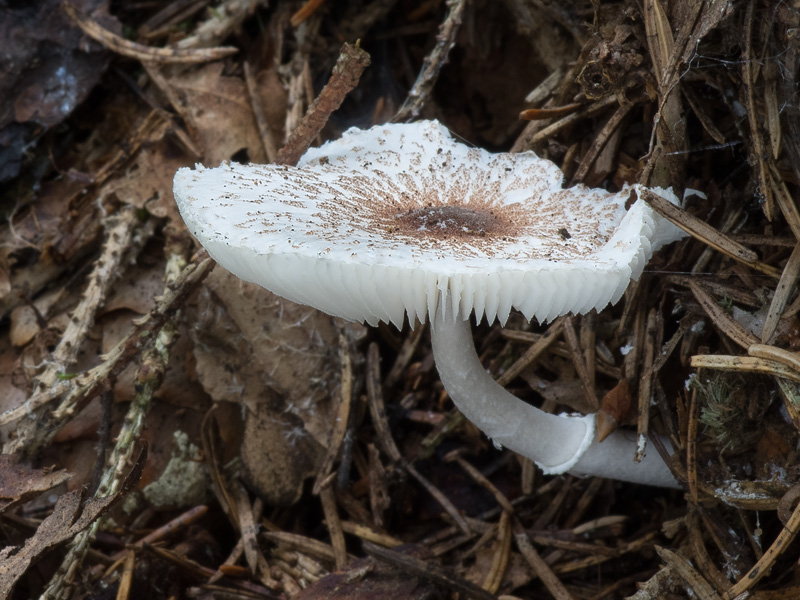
{"type": "Point", "coordinates": [24, 321]}
{"type": "Point", "coordinates": [280, 361]}
{"type": "Point", "coordinates": [614, 408]}
{"type": "Point", "coordinates": [79, 457]}
{"type": "Point", "coordinates": [69, 517]}
{"type": "Point", "coordinates": [19, 484]}
{"type": "Point", "coordinates": [83, 427]}
{"type": "Point", "coordinates": [41, 225]}
{"type": "Point", "coordinates": [278, 455]}
{"type": "Point", "coordinates": [293, 348]}
{"type": "Point", "coordinates": [218, 109]}
{"type": "Point", "coordinates": [147, 182]}
{"type": "Point", "coordinates": [617, 402]}
{"type": "Point", "coordinates": [137, 290]}
{"type": "Point", "coordinates": [367, 578]}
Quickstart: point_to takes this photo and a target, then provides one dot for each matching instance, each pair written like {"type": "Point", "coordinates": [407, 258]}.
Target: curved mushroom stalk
{"type": "Point", "coordinates": [557, 444]}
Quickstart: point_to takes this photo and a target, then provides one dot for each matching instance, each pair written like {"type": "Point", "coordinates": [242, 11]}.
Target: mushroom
{"type": "Point", "coordinates": [401, 221]}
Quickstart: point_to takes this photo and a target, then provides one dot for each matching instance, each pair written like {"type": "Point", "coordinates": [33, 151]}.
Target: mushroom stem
{"type": "Point", "coordinates": [557, 444]}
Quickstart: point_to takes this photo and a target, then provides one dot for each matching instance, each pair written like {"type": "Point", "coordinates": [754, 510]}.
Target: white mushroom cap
{"type": "Point", "coordinates": [395, 219]}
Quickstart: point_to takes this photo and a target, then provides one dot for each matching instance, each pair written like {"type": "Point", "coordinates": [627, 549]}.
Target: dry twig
{"type": "Point", "coordinates": [433, 63]}
{"type": "Point", "coordinates": [149, 376]}
{"type": "Point", "coordinates": [346, 73]}
{"type": "Point", "coordinates": [80, 390]}
{"type": "Point", "coordinates": [144, 53]}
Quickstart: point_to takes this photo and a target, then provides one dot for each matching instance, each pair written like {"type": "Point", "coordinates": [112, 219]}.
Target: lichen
{"type": "Point", "coordinates": [184, 481]}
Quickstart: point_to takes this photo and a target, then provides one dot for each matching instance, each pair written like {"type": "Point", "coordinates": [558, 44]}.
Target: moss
{"type": "Point", "coordinates": [727, 411]}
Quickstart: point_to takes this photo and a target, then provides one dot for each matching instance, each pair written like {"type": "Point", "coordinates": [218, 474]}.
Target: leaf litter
{"type": "Point", "coordinates": [319, 438]}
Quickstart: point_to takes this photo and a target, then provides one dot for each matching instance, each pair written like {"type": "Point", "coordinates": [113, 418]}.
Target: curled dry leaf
{"type": "Point", "coordinates": [70, 516]}
{"type": "Point", "coordinates": [19, 483]}
{"type": "Point", "coordinates": [614, 409]}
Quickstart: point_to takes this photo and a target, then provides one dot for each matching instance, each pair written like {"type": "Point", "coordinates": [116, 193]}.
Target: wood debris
{"type": "Point", "coordinates": [333, 463]}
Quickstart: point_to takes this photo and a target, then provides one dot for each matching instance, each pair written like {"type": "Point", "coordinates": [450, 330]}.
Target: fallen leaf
{"type": "Point", "coordinates": [24, 321]}
{"type": "Point", "coordinates": [219, 111]}
{"type": "Point", "coordinates": [70, 516]}
{"type": "Point", "coordinates": [614, 408]}
{"type": "Point", "coordinates": [367, 578]}
{"type": "Point", "coordinates": [294, 348]}
{"type": "Point", "coordinates": [147, 182]}
{"type": "Point", "coordinates": [19, 484]}
{"type": "Point", "coordinates": [278, 455]}
{"type": "Point", "coordinates": [23, 325]}
{"type": "Point", "coordinates": [48, 75]}
{"type": "Point", "coordinates": [138, 287]}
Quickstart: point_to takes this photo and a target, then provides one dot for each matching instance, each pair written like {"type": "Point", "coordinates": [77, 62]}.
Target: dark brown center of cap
{"type": "Point", "coordinates": [448, 221]}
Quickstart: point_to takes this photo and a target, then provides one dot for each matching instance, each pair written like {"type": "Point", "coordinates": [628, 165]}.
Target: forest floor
{"type": "Point", "coordinates": [170, 431]}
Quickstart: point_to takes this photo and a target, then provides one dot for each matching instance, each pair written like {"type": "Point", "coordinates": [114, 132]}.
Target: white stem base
{"type": "Point", "coordinates": [557, 444]}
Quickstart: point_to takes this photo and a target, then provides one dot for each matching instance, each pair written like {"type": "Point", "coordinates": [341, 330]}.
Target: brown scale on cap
{"type": "Point", "coordinates": [430, 212]}
{"type": "Point", "coordinates": [457, 214]}
{"type": "Point", "coordinates": [449, 221]}
{"type": "Point", "coordinates": [434, 205]}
